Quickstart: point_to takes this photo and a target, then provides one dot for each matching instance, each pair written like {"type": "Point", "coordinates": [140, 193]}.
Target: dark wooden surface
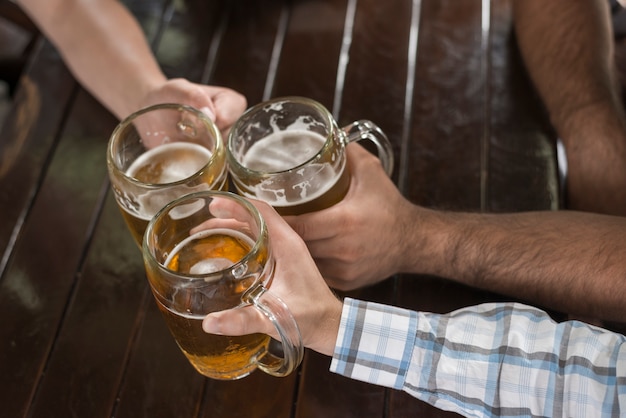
{"type": "Point", "coordinates": [80, 335]}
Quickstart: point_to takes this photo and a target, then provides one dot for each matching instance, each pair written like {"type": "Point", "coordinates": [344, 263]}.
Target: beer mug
{"type": "Point", "coordinates": [290, 153]}
{"type": "Point", "coordinates": [160, 153]}
{"type": "Point", "coordinates": [210, 251]}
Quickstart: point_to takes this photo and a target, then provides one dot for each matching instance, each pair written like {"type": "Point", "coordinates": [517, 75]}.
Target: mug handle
{"type": "Point", "coordinates": [366, 129]}
{"type": "Point", "coordinates": [277, 311]}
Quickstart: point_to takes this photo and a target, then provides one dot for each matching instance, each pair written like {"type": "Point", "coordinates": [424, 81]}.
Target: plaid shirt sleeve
{"type": "Point", "coordinates": [496, 359]}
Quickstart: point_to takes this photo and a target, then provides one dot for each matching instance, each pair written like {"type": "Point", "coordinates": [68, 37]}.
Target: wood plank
{"type": "Point", "coordinates": [93, 343]}
{"type": "Point", "coordinates": [246, 55]}
{"type": "Point", "coordinates": [27, 137]}
{"type": "Point", "coordinates": [37, 272]}
{"type": "Point", "coordinates": [258, 394]}
{"type": "Point", "coordinates": [184, 36]}
{"type": "Point", "coordinates": [375, 82]}
{"type": "Point", "coordinates": [158, 381]}
{"type": "Point", "coordinates": [448, 117]}
{"type": "Point", "coordinates": [522, 168]}
{"type": "Point", "coordinates": [310, 54]}
{"type": "Point", "coordinates": [43, 271]}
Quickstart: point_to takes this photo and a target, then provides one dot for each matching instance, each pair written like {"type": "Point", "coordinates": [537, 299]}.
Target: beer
{"type": "Point", "coordinates": [215, 356]}
{"type": "Point", "coordinates": [164, 165]}
{"type": "Point", "coordinates": [331, 191]}
{"type": "Point", "coordinates": [295, 187]}
{"type": "Point", "coordinates": [203, 253]}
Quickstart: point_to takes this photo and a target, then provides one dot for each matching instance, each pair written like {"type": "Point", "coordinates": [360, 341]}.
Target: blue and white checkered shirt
{"type": "Point", "coordinates": [496, 359]}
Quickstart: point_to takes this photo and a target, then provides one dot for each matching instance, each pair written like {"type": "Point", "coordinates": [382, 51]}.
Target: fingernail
{"type": "Point", "coordinates": [209, 325]}
{"type": "Point", "coordinates": [208, 112]}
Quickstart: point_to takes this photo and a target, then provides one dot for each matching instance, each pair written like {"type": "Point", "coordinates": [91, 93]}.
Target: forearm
{"type": "Point", "coordinates": [567, 47]}
{"type": "Point", "coordinates": [486, 360]}
{"type": "Point", "coordinates": [103, 46]}
{"type": "Point", "coordinates": [573, 262]}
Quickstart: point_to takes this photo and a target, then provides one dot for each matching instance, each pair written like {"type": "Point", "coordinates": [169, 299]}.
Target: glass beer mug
{"type": "Point", "coordinates": [160, 153]}
{"type": "Point", "coordinates": [210, 251]}
{"type": "Point", "coordinates": [290, 153]}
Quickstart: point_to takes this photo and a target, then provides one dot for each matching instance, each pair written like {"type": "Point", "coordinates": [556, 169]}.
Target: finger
{"type": "Point", "coordinates": [229, 208]}
{"type": "Point", "coordinates": [316, 226]}
{"type": "Point", "coordinates": [277, 225]}
{"type": "Point", "coordinates": [238, 321]}
{"type": "Point", "coordinates": [345, 276]}
{"type": "Point", "coordinates": [218, 223]}
{"type": "Point", "coordinates": [285, 242]}
{"type": "Point", "coordinates": [209, 112]}
{"type": "Point", "coordinates": [195, 95]}
{"type": "Point", "coordinates": [325, 248]}
{"type": "Point", "coordinates": [357, 156]}
{"type": "Point", "coordinates": [229, 105]}
{"type": "Point", "coordinates": [226, 213]}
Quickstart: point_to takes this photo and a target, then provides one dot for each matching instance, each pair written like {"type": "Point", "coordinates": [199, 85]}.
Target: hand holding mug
{"type": "Point", "coordinates": [160, 153]}
{"type": "Point", "coordinates": [207, 252]}
{"type": "Point", "coordinates": [298, 283]}
{"type": "Point", "coordinates": [222, 105]}
{"type": "Point", "coordinates": [290, 153]}
{"type": "Point", "coordinates": [366, 237]}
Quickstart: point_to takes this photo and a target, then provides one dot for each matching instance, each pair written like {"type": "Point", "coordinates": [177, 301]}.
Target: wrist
{"type": "Point", "coordinates": [327, 329]}
{"type": "Point", "coordinates": [139, 96]}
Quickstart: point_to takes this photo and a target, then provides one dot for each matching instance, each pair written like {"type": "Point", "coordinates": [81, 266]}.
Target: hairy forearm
{"type": "Point", "coordinates": [573, 262]}
{"type": "Point", "coordinates": [567, 48]}
{"type": "Point", "coordinates": [103, 46]}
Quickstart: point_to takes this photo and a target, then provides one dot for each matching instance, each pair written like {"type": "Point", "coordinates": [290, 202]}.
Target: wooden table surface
{"type": "Point", "coordinates": [80, 335]}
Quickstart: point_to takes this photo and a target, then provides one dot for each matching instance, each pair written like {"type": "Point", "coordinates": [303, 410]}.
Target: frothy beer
{"type": "Point", "coordinates": [210, 251]}
{"type": "Point", "coordinates": [165, 164]}
{"type": "Point", "coordinates": [304, 180]}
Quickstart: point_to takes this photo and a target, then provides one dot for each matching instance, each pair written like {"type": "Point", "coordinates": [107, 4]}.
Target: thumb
{"type": "Point", "coordinates": [237, 321]}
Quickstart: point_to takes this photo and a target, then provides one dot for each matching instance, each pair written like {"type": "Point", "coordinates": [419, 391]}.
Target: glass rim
{"type": "Point", "coordinates": [329, 121]}
{"type": "Point", "coordinates": [116, 134]}
{"type": "Point", "coordinates": [263, 236]}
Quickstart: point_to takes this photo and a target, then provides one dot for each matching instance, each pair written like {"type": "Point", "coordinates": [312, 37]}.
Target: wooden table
{"type": "Point", "coordinates": [80, 335]}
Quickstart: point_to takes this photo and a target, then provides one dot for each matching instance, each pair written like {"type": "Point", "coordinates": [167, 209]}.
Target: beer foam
{"type": "Point", "coordinates": [149, 203]}
{"type": "Point", "coordinates": [170, 162]}
{"type": "Point", "coordinates": [315, 180]}
{"type": "Point", "coordinates": [210, 266]}
{"type": "Point", "coordinates": [283, 150]}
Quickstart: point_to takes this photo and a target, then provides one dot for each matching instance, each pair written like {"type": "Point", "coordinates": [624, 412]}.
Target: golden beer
{"type": "Point", "coordinates": [333, 192]}
{"type": "Point", "coordinates": [215, 356]}
{"type": "Point", "coordinates": [301, 177]}
{"type": "Point", "coordinates": [164, 166]}
{"type": "Point", "coordinates": [184, 306]}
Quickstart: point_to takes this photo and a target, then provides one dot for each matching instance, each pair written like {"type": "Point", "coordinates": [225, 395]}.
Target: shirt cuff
{"type": "Point", "coordinates": [375, 343]}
